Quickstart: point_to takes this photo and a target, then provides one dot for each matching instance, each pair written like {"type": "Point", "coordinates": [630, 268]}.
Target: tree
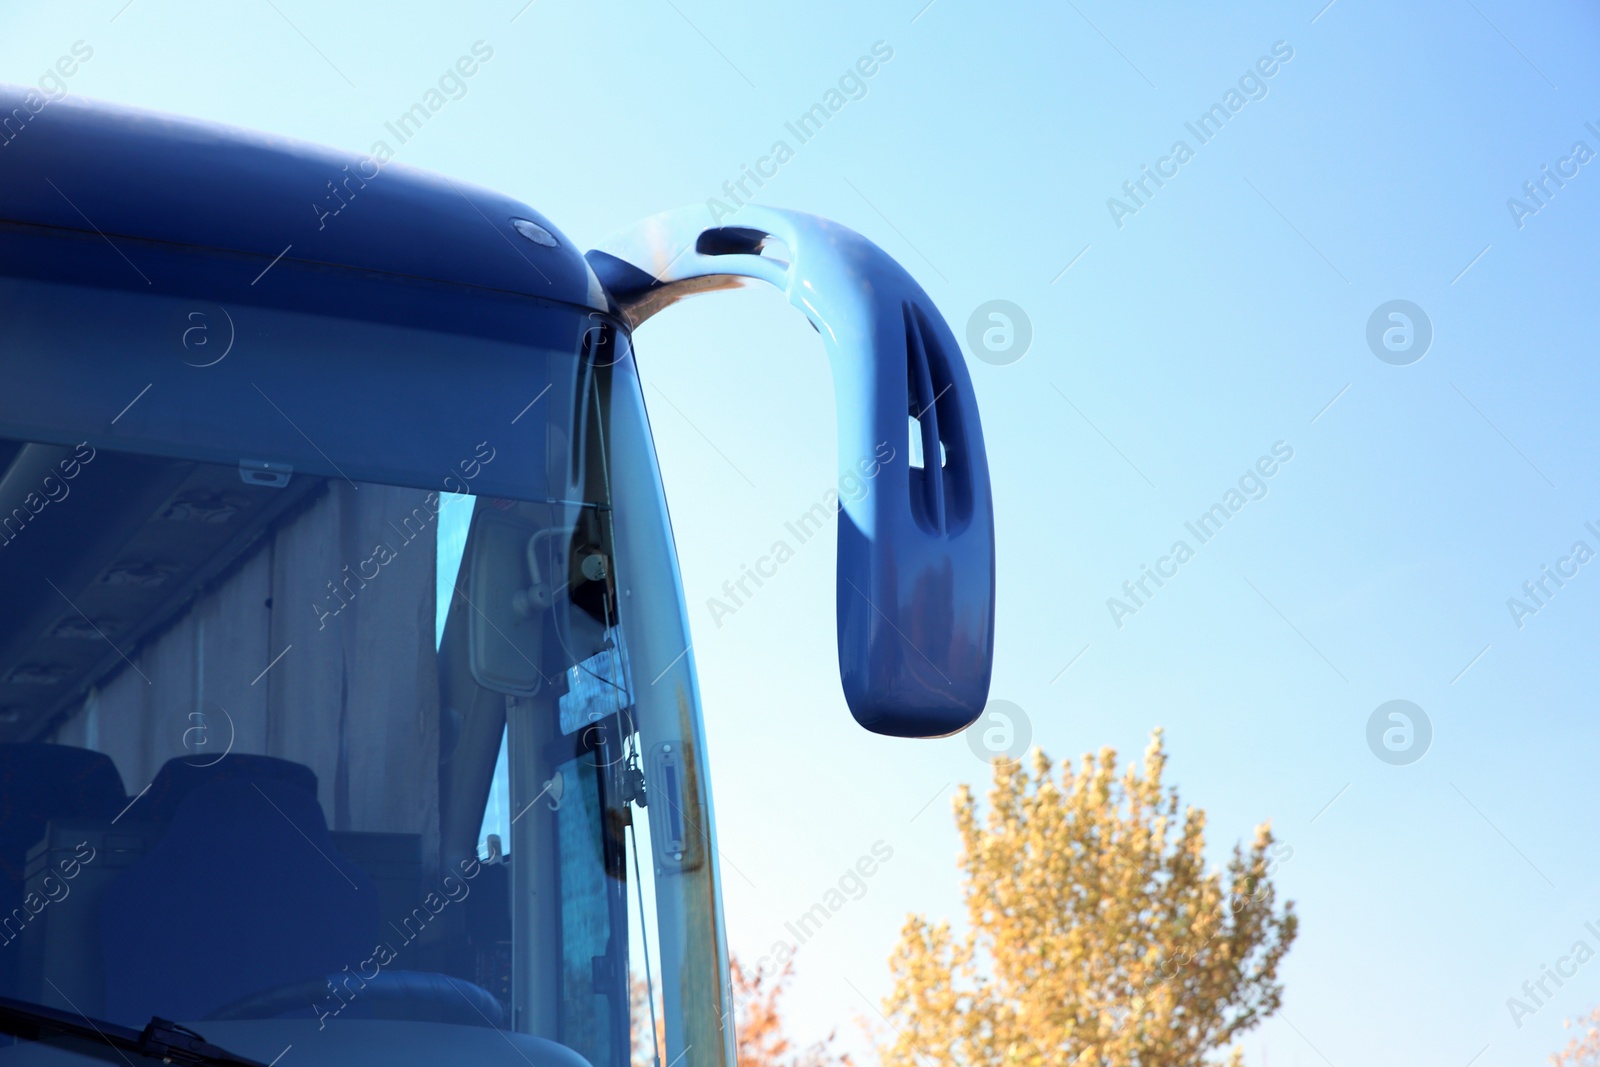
{"type": "Point", "coordinates": [759, 1024]}
{"type": "Point", "coordinates": [1583, 1050]}
{"type": "Point", "coordinates": [1095, 934]}
{"type": "Point", "coordinates": [757, 1021]}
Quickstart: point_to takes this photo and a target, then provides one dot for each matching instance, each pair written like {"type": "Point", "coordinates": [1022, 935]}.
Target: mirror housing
{"type": "Point", "coordinates": [505, 625]}
{"type": "Point", "coordinates": [916, 564]}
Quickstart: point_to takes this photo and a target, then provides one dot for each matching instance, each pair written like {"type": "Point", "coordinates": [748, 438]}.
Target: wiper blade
{"type": "Point", "coordinates": [161, 1038]}
{"type": "Point", "coordinates": [179, 1044]}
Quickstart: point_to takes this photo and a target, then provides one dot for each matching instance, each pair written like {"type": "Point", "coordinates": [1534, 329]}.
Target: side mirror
{"type": "Point", "coordinates": [915, 589]}
{"type": "Point", "coordinates": [505, 620]}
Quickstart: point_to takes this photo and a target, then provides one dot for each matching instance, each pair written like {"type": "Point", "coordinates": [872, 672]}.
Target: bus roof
{"type": "Point", "coordinates": [132, 175]}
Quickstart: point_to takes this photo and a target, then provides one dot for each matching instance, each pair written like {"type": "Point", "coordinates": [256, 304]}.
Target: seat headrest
{"type": "Point", "coordinates": [179, 777]}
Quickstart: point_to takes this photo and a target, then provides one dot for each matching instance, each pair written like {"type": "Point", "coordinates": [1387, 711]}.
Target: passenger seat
{"type": "Point", "coordinates": [245, 892]}
{"type": "Point", "coordinates": [40, 782]}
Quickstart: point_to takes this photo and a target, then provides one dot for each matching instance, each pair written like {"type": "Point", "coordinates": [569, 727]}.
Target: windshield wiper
{"type": "Point", "coordinates": [162, 1038]}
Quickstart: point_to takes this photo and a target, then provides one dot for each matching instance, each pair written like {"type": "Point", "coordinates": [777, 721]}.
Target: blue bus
{"type": "Point", "coordinates": [347, 695]}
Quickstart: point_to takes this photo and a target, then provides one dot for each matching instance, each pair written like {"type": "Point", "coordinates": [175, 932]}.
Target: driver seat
{"type": "Point", "coordinates": [245, 893]}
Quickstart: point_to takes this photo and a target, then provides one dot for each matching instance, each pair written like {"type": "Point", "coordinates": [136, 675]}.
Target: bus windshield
{"type": "Point", "coordinates": [317, 714]}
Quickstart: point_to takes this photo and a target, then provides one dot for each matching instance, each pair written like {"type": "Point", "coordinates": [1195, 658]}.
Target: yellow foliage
{"type": "Point", "coordinates": [1095, 934]}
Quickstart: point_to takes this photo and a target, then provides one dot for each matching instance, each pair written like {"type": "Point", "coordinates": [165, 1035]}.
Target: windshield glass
{"type": "Point", "coordinates": [341, 736]}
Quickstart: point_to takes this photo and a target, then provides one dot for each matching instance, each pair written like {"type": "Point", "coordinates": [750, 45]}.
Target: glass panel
{"type": "Point", "coordinates": [362, 399]}
{"type": "Point", "coordinates": [244, 720]}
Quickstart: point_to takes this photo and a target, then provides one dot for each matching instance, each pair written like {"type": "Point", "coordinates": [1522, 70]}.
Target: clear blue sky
{"type": "Point", "coordinates": [1223, 316]}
